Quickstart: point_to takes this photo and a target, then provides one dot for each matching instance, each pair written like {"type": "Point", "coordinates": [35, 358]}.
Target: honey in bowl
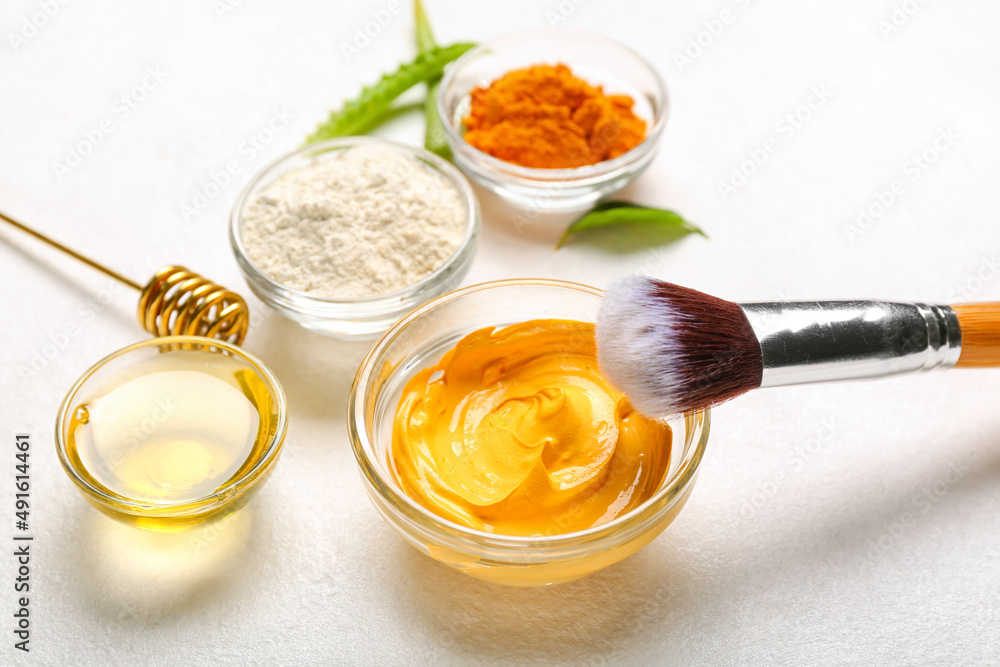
{"type": "Point", "coordinates": [162, 442]}
{"type": "Point", "coordinates": [516, 432]}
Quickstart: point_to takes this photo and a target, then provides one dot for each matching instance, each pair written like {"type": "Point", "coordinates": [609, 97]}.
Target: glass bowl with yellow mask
{"type": "Point", "coordinates": [487, 437]}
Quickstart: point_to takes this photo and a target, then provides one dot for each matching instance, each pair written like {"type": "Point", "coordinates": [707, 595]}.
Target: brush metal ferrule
{"type": "Point", "coordinates": [822, 341]}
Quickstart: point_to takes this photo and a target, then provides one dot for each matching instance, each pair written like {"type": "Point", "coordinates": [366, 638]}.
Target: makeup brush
{"type": "Point", "coordinates": [671, 349]}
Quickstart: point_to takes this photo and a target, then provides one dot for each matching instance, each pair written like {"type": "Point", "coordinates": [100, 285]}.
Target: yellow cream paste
{"type": "Point", "coordinates": [515, 431]}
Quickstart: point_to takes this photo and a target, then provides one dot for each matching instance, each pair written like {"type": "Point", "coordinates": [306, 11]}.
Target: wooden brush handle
{"type": "Point", "coordinates": [980, 324]}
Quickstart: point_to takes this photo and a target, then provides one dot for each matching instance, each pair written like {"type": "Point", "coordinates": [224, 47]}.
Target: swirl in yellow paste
{"type": "Point", "coordinates": [515, 431]}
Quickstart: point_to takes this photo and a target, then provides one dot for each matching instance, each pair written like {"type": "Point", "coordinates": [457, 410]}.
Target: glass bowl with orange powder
{"type": "Point", "coordinates": [552, 120]}
{"type": "Point", "coordinates": [488, 439]}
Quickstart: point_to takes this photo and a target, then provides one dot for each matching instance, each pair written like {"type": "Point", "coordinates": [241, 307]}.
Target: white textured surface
{"type": "Point", "coordinates": [831, 524]}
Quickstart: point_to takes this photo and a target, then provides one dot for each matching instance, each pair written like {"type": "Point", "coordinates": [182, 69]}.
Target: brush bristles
{"type": "Point", "coordinates": [671, 349]}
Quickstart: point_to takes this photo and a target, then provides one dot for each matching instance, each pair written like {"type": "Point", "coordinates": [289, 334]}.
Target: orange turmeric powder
{"type": "Point", "coordinates": [545, 117]}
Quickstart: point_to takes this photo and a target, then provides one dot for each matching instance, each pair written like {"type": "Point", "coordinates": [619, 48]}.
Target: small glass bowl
{"type": "Point", "coordinates": [365, 317]}
{"type": "Point", "coordinates": [596, 59]}
{"type": "Point", "coordinates": [124, 365]}
{"type": "Point", "coordinates": [420, 339]}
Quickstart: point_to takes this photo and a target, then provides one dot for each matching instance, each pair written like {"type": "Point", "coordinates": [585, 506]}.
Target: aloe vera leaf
{"type": "Point", "coordinates": [425, 36]}
{"type": "Point", "coordinates": [434, 136]}
{"type": "Point", "coordinates": [362, 113]}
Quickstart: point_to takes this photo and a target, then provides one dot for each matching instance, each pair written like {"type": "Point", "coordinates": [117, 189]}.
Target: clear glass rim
{"type": "Point", "coordinates": [200, 505]}
{"type": "Point", "coordinates": [636, 519]}
{"type": "Point", "coordinates": [535, 174]}
{"type": "Point", "coordinates": [470, 206]}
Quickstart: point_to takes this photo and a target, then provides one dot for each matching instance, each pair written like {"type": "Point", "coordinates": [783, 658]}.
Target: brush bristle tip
{"type": "Point", "coordinates": [671, 349]}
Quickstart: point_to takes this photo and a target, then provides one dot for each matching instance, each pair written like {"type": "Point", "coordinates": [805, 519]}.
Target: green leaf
{"type": "Point", "coordinates": [434, 134]}
{"type": "Point", "coordinates": [607, 214]}
{"type": "Point", "coordinates": [364, 112]}
{"type": "Point", "coordinates": [425, 37]}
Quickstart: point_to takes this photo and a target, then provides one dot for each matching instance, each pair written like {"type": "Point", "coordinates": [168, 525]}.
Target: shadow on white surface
{"type": "Point", "coordinates": [909, 501]}
{"type": "Point", "coordinates": [51, 265]}
{"type": "Point", "coordinates": [675, 588]}
{"type": "Point", "coordinates": [141, 577]}
{"type": "Point", "coordinates": [576, 621]}
{"type": "Point", "coordinates": [315, 371]}
{"type": "Point", "coordinates": [506, 224]}
{"type": "Point", "coordinates": [527, 224]}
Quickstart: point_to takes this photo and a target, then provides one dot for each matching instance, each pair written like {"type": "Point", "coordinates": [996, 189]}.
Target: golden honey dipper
{"type": "Point", "coordinates": [175, 301]}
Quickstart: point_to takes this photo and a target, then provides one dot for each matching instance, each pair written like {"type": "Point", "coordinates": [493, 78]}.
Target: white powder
{"type": "Point", "coordinates": [367, 221]}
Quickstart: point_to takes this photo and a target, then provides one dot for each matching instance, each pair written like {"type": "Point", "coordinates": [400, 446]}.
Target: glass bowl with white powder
{"type": "Point", "coordinates": [348, 235]}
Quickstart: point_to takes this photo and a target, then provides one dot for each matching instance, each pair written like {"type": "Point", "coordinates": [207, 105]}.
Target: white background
{"type": "Point", "coordinates": [857, 523]}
